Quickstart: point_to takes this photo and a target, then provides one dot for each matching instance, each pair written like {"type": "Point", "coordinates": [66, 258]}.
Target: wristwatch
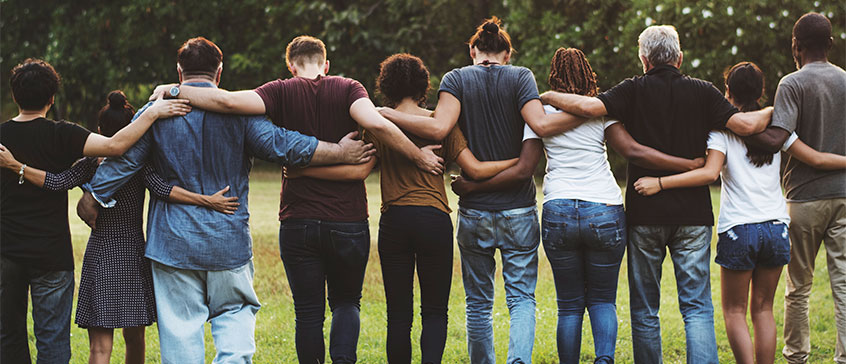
{"type": "Point", "coordinates": [174, 92]}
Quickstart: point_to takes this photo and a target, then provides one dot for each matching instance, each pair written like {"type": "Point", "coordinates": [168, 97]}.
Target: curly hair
{"type": "Point", "coordinates": [570, 72]}
{"type": "Point", "coordinates": [402, 75]}
{"type": "Point", "coordinates": [33, 83]}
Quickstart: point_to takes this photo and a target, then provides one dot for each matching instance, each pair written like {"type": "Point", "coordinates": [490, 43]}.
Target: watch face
{"type": "Point", "coordinates": [174, 91]}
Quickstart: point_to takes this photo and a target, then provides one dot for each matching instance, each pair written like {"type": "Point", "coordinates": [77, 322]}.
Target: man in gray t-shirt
{"type": "Point", "coordinates": [810, 102]}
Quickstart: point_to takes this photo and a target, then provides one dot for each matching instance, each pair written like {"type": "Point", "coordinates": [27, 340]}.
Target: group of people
{"type": "Point", "coordinates": [196, 266]}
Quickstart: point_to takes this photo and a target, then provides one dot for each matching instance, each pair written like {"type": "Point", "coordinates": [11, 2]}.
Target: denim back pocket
{"type": "Point", "coordinates": [521, 230]}
{"type": "Point", "coordinates": [609, 234]}
{"type": "Point", "coordinates": [352, 247]}
{"type": "Point", "coordinates": [553, 234]}
{"type": "Point", "coordinates": [780, 238]}
{"type": "Point", "coordinates": [471, 229]}
{"type": "Point", "coordinates": [735, 242]}
{"type": "Point", "coordinates": [293, 241]}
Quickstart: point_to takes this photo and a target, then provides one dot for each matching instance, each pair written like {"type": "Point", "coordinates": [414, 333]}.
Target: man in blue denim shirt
{"type": "Point", "coordinates": [202, 267]}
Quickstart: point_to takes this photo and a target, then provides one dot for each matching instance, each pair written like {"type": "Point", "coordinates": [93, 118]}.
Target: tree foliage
{"type": "Point", "coordinates": [99, 46]}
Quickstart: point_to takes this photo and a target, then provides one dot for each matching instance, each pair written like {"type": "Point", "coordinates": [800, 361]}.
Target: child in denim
{"type": "Point", "coordinates": [753, 243]}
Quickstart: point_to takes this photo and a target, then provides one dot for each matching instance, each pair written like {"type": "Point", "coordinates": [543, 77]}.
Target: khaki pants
{"type": "Point", "coordinates": [813, 223]}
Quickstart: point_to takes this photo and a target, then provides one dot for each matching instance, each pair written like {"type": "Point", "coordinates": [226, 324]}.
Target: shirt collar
{"type": "Point", "coordinates": [663, 68]}
{"type": "Point", "coordinates": [200, 84]}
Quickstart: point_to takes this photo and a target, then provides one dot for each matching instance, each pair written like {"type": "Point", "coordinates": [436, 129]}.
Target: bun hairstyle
{"type": "Point", "coordinates": [570, 72]}
{"type": "Point", "coordinates": [116, 114]}
{"type": "Point", "coordinates": [745, 86]}
{"type": "Point", "coordinates": [491, 38]}
{"type": "Point", "coordinates": [400, 76]}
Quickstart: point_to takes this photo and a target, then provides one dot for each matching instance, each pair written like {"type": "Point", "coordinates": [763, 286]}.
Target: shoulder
{"type": "Point", "coordinates": [698, 83]}
{"type": "Point", "coordinates": [67, 125]}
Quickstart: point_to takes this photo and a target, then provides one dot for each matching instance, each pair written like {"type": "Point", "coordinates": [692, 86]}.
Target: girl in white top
{"type": "Point", "coordinates": [753, 242]}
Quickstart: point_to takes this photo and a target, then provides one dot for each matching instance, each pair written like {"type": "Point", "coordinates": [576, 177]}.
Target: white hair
{"type": "Point", "coordinates": [659, 44]}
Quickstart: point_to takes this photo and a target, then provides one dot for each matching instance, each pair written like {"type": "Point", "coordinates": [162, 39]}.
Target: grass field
{"type": "Point", "coordinates": [275, 327]}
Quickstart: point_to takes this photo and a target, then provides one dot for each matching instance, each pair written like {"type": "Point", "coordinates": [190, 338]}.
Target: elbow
{"type": "Point", "coordinates": [542, 131]}
{"type": "Point", "coordinates": [439, 132]}
{"type": "Point", "coordinates": [115, 149]}
{"type": "Point", "coordinates": [227, 104]}
{"type": "Point", "coordinates": [474, 173]}
{"type": "Point", "coordinates": [712, 177]}
{"type": "Point", "coordinates": [589, 112]}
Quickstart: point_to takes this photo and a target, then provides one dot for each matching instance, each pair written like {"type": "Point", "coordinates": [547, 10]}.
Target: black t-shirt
{"type": "Point", "coordinates": [672, 113]}
{"type": "Point", "coordinates": [34, 226]}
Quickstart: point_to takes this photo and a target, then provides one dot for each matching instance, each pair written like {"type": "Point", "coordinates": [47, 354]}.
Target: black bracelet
{"type": "Point", "coordinates": [660, 185]}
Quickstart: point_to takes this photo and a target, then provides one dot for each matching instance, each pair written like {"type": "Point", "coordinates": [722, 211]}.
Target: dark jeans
{"type": "Point", "coordinates": [314, 252]}
{"type": "Point", "coordinates": [421, 234]}
{"type": "Point", "coordinates": [52, 299]}
{"type": "Point", "coordinates": [584, 242]}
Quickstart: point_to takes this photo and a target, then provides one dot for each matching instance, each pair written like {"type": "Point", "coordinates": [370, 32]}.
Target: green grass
{"type": "Point", "coordinates": [275, 327]}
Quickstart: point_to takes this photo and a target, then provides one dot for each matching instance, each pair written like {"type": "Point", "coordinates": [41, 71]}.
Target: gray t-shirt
{"type": "Point", "coordinates": [491, 99]}
{"type": "Point", "coordinates": [812, 102]}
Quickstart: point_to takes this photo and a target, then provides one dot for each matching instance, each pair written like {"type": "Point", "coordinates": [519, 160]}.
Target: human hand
{"type": "Point", "coordinates": [292, 172]}
{"type": "Point", "coordinates": [647, 186]}
{"type": "Point", "coordinates": [162, 109]}
{"type": "Point", "coordinates": [428, 161]}
{"type": "Point", "coordinates": [221, 203]}
{"type": "Point", "coordinates": [354, 151]}
{"type": "Point", "coordinates": [161, 90]}
{"type": "Point", "coordinates": [87, 209]}
{"type": "Point", "coordinates": [7, 160]}
{"type": "Point", "coordinates": [462, 186]}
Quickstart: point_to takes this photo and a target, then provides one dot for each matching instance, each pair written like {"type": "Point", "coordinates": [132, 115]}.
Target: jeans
{"type": "Point", "coordinates": [584, 242]}
{"type": "Point", "coordinates": [52, 299]}
{"type": "Point", "coordinates": [421, 235]}
{"type": "Point", "coordinates": [314, 252]}
{"type": "Point", "coordinates": [690, 250]}
{"type": "Point", "coordinates": [812, 224]}
{"type": "Point", "coordinates": [744, 247]}
{"type": "Point", "coordinates": [186, 299]}
{"type": "Point", "coordinates": [515, 233]}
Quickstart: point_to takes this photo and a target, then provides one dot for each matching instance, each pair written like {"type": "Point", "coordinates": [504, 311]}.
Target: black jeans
{"type": "Point", "coordinates": [421, 234]}
{"type": "Point", "coordinates": [314, 252]}
{"type": "Point", "coordinates": [52, 299]}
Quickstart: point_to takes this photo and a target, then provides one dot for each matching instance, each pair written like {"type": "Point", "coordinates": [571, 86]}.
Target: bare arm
{"type": "Point", "coordinates": [338, 172]}
{"type": "Point", "coordinates": [545, 125]}
{"type": "Point", "coordinates": [100, 146]}
{"type": "Point", "coordinates": [816, 159]}
{"type": "Point", "coordinates": [648, 186]}
{"type": "Point", "coordinates": [435, 127]}
{"type": "Point", "coordinates": [478, 170]}
{"type": "Point", "coordinates": [246, 102]}
{"type": "Point", "coordinates": [31, 174]}
{"type": "Point", "coordinates": [513, 176]}
{"type": "Point", "coordinates": [748, 123]}
{"type": "Point", "coordinates": [163, 190]}
{"type": "Point", "coordinates": [620, 139]}
{"type": "Point", "coordinates": [585, 106]}
{"type": "Point", "coordinates": [770, 140]}
{"type": "Point", "coordinates": [363, 111]}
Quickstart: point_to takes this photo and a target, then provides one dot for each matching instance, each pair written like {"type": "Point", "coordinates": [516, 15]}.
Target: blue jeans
{"type": "Point", "coordinates": [690, 250]}
{"type": "Point", "coordinates": [52, 299]}
{"type": "Point", "coordinates": [744, 247]}
{"type": "Point", "coordinates": [186, 299]}
{"type": "Point", "coordinates": [584, 242]}
{"type": "Point", "coordinates": [515, 233]}
{"type": "Point", "coordinates": [319, 254]}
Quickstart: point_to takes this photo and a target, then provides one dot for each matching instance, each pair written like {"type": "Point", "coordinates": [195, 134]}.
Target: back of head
{"type": "Point", "coordinates": [116, 114]}
{"type": "Point", "coordinates": [812, 32]}
{"type": "Point", "coordinates": [400, 76]}
{"type": "Point", "coordinates": [199, 57]}
{"type": "Point", "coordinates": [34, 82]}
{"type": "Point", "coordinates": [745, 87]}
{"type": "Point", "coordinates": [570, 72]}
{"type": "Point", "coordinates": [305, 49]}
{"type": "Point", "coordinates": [659, 44]}
{"type": "Point", "coordinates": [491, 38]}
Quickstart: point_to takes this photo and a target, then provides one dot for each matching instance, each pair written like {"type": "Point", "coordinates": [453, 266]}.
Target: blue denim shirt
{"type": "Point", "coordinates": [202, 152]}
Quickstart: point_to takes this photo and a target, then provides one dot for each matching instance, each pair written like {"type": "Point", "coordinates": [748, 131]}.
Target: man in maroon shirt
{"type": "Point", "coordinates": [324, 234]}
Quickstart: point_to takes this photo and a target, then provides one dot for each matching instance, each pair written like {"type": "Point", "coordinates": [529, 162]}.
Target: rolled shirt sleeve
{"type": "Point", "coordinates": [786, 106]}
{"type": "Point", "coordinates": [279, 145]}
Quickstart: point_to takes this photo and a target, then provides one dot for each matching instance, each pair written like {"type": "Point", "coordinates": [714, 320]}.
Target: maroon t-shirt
{"type": "Point", "coordinates": [318, 107]}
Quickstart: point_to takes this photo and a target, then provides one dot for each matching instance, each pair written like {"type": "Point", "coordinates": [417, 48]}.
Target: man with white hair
{"type": "Point", "coordinates": [672, 113]}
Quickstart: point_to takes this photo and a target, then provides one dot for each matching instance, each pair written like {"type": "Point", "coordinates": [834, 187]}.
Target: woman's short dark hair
{"type": "Point", "coordinates": [34, 82]}
{"type": "Point", "coordinates": [400, 76]}
{"type": "Point", "coordinates": [116, 114]}
{"type": "Point", "coordinates": [490, 37]}
{"type": "Point", "coordinates": [745, 86]}
{"type": "Point", "coordinates": [199, 56]}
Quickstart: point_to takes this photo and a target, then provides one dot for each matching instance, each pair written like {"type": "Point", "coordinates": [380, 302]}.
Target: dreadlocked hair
{"type": "Point", "coordinates": [570, 72]}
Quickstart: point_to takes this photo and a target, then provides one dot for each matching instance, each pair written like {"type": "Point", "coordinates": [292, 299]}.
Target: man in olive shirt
{"type": "Point", "coordinates": [809, 102]}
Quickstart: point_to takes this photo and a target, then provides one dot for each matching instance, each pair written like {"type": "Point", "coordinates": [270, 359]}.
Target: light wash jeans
{"type": "Point", "coordinates": [186, 299]}
{"type": "Point", "coordinates": [690, 250]}
{"type": "Point", "coordinates": [516, 234]}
